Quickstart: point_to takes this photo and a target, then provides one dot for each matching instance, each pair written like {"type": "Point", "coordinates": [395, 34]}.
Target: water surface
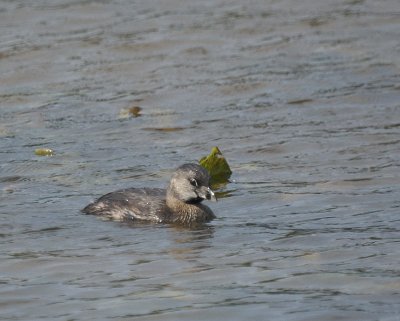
{"type": "Point", "coordinates": [302, 98]}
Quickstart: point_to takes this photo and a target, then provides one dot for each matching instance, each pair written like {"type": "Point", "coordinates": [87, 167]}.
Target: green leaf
{"type": "Point", "coordinates": [216, 164]}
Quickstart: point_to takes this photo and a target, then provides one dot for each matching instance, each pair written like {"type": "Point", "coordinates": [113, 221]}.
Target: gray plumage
{"type": "Point", "coordinates": [180, 203]}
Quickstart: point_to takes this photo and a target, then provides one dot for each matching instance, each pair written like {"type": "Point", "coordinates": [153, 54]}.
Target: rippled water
{"type": "Point", "coordinates": [303, 98]}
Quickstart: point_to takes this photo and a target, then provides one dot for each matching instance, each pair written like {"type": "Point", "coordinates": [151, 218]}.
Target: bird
{"type": "Point", "coordinates": [180, 203]}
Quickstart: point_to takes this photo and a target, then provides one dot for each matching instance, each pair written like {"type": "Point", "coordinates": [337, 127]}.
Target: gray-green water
{"type": "Point", "coordinates": [303, 98]}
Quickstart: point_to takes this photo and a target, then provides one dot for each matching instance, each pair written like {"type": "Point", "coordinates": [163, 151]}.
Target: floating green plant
{"type": "Point", "coordinates": [216, 164]}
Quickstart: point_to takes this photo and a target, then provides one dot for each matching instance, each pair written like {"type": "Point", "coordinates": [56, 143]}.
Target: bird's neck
{"type": "Point", "coordinates": [182, 212]}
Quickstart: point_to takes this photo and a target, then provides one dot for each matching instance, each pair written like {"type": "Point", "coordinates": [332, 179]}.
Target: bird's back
{"type": "Point", "coordinates": [131, 204]}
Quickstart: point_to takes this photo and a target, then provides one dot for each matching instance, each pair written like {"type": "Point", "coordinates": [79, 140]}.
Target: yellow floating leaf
{"type": "Point", "coordinates": [44, 152]}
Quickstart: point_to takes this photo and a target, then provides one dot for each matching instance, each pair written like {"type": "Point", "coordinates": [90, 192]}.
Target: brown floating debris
{"type": "Point", "coordinates": [133, 111]}
{"type": "Point", "coordinates": [299, 101]}
{"type": "Point", "coordinates": [164, 129]}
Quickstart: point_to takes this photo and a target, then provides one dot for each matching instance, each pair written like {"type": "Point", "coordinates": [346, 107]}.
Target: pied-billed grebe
{"type": "Point", "coordinates": [180, 203]}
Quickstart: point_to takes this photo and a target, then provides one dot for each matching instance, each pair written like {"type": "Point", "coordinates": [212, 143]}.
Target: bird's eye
{"type": "Point", "coordinates": [193, 182]}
